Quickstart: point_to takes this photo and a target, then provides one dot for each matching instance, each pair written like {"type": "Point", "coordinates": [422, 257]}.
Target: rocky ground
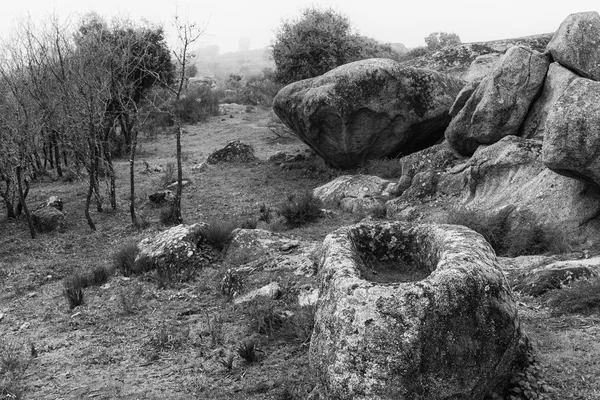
{"type": "Point", "coordinates": [132, 340]}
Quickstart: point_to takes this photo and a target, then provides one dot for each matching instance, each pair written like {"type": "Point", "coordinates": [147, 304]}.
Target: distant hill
{"type": "Point", "coordinates": [243, 63]}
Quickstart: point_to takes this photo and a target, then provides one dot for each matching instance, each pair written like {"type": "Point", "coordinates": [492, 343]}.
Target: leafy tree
{"type": "Point", "coordinates": [318, 41]}
{"type": "Point", "coordinates": [438, 40]}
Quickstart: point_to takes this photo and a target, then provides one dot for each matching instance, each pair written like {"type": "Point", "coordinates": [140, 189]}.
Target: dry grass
{"type": "Point", "coordinates": [131, 339]}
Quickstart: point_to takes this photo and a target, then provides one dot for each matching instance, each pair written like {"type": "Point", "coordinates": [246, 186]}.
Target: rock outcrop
{"type": "Point", "coordinates": [572, 138]}
{"type": "Point", "coordinates": [413, 311]}
{"type": "Point", "coordinates": [356, 193]}
{"type": "Point", "coordinates": [235, 151]}
{"type": "Point", "coordinates": [557, 80]}
{"type": "Point", "coordinates": [498, 106]}
{"type": "Point", "coordinates": [368, 109]}
{"type": "Point", "coordinates": [576, 44]}
{"type": "Point", "coordinates": [537, 281]}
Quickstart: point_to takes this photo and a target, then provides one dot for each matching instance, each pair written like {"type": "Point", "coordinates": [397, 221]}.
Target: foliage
{"type": "Point", "coordinates": [257, 89]}
{"type": "Point", "coordinates": [301, 208]}
{"type": "Point", "coordinates": [215, 330]}
{"type": "Point", "coordinates": [438, 40]}
{"type": "Point", "coordinates": [527, 384]}
{"type": "Point", "coordinates": [387, 168]}
{"type": "Point", "coordinates": [124, 259]}
{"type": "Point", "coordinates": [227, 362]}
{"type": "Point", "coordinates": [580, 297]}
{"type": "Point", "coordinates": [247, 351]}
{"type": "Point", "coordinates": [318, 41]}
{"type": "Point", "coordinates": [169, 336]}
{"type": "Point", "coordinates": [528, 238]}
{"type": "Point", "coordinates": [168, 176]}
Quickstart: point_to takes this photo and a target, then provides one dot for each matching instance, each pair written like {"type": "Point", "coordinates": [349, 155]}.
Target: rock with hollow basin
{"type": "Point", "coordinates": [368, 109]}
{"type": "Point", "coordinates": [413, 311]}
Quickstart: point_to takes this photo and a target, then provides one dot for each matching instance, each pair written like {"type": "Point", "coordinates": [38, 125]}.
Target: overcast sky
{"type": "Point", "coordinates": [406, 22]}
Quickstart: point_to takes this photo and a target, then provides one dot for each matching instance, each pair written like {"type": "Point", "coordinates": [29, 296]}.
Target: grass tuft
{"type": "Point", "coordinates": [219, 233]}
{"type": "Point", "coordinates": [247, 351]}
{"type": "Point", "coordinates": [301, 209]}
{"type": "Point", "coordinates": [74, 292]}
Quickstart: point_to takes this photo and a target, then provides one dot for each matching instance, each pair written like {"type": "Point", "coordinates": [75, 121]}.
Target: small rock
{"type": "Point", "coordinates": [270, 291]}
{"type": "Point", "coordinates": [1, 316]}
{"type": "Point", "coordinates": [26, 325]}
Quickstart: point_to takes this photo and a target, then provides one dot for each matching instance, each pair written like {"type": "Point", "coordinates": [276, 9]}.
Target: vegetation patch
{"type": "Point", "coordinates": [580, 297]}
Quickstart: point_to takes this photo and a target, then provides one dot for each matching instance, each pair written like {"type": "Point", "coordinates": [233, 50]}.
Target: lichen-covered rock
{"type": "Point", "coordinates": [48, 219]}
{"type": "Point", "coordinates": [269, 250]}
{"type": "Point", "coordinates": [178, 244]}
{"type": "Point", "coordinates": [557, 80]}
{"type": "Point", "coordinates": [572, 138]}
{"type": "Point", "coordinates": [463, 96]}
{"type": "Point", "coordinates": [356, 193]}
{"type": "Point", "coordinates": [500, 103]}
{"type": "Point", "coordinates": [537, 281]}
{"type": "Point", "coordinates": [56, 202]}
{"type": "Point", "coordinates": [413, 311]}
{"type": "Point", "coordinates": [368, 109]}
{"type": "Point", "coordinates": [235, 151]}
{"type": "Point", "coordinates": [576, 44]}
{"type": "Point", "coordinates": [481, 67]}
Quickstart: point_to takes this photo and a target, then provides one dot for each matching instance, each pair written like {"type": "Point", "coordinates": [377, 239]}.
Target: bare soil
{"type": "Point", "coordinates": [131, 340]}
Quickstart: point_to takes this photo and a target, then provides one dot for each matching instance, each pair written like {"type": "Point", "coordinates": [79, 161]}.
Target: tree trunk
{"type": "Point", "coordinates": [88, 198]}
{"type": "Point", "coordinates": [94, 177]}
{"type": "Point", "coordinates": [23, 204]}
{"type": "Point", "coordinates": [177, 202]}
{"type": "Point", "coordinates": [10, 211]}
{"type": "Point", "coordinates": [57, 154]}
{"type": "Point", "coordinates": [132, 178]}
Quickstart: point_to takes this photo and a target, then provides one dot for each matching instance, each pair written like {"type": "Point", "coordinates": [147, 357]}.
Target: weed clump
{"type": "Point", "coordinates": [580, 297]}
{"type": "Point", "coordinates": [301, 209]}
{"type": "Point", "coordinates": [168, 216]}
{"type": "Point", "coordinates": [13, 363]}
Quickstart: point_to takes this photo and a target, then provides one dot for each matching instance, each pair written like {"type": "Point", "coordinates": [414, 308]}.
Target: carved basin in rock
{"type": "Point", "coordinates": [413, 312]}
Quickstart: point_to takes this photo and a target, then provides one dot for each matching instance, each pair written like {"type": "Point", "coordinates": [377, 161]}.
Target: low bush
{"type": "Point", "coordinates": [580, 297]}
{"type": "Point", "coordinates": [301, 209]}
{"type": "Point", "coordinates": [197, 105]}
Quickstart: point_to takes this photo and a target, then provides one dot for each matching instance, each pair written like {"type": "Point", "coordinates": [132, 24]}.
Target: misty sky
{"type": "Point", "coordinates": [406, 22]}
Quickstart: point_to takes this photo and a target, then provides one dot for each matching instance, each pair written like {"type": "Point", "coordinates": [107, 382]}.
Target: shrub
{"type": "Point", "coordinates": [438, 40]}
{"type": "Point", "coordinates": [318, 41]}
{"type": "Point", "coordinates": [169, 336]}
{"type": "Point", "coordinates": [580, 297]}
{"type": "Point", "coordinates": [99, 276]}
{"type": "Point", "coordinates": [227, 362]}
{"type": "Point", "coordinates": [300, 209]}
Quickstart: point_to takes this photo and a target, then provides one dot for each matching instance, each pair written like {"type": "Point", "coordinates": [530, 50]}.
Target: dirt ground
{"type": "Point", "coordinates": [131, 340]}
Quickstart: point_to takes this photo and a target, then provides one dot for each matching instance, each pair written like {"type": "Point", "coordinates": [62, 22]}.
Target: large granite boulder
{"type": "Point", "coordinates": [500, 103]}
{"type": "Point", "coordinates": [233, 152]}
{"type": "Point", "coordinates": [356, 193]}
{"type": "Point", "coordinates": [557, 80]}
{"type": "Point", "coordinates": [572, 138]}
{"type": "Point", "coordinates": [368, 109]}
{"type": "Point", "coordinates": [576, 44]}
{"type": "Point", "coordinates": [413, 311]}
